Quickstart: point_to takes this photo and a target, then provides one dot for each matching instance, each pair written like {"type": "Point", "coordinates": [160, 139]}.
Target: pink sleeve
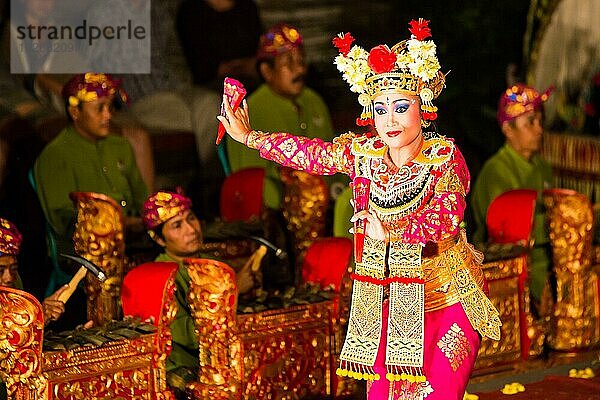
{"type": "Point", "coordinates": [311, 155]}
{"type": "Point", "coordinates": [442, 215]}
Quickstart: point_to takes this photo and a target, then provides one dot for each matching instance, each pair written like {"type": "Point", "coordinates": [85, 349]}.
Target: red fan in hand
{"type": "Point", "coordinates": [360, 191]}
{"type": "Point", "coordinates": [235, 92]}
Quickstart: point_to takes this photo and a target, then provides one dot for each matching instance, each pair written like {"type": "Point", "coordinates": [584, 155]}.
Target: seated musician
{"type": "Point", "coordinates": [518, 165]}
{"type": "Point", "coordinates": [88, 157]}
{"type": "Point", "coordinates": [10, 246]}
{"type": "Point", "coordinates": [173, 225]}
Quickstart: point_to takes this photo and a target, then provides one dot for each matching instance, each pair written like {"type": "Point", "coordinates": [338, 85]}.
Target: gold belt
{"type": "Point", "coordinates": [433, 249]}
{"type": "Point", "coordinates": [440, 291]}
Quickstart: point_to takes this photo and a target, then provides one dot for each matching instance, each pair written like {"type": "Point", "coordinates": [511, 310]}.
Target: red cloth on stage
{"type": "Point", "coordinates": [326, 261]}
{"type": "Point", "coordinates": [242, 195]}
{"type": "Point", "coordinates": [510, 217]}
{"type": "Point", "coordinates": [143, 289]}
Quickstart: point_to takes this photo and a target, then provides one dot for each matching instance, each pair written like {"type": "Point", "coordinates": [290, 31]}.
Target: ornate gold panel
{"type": "Point", "coordinates": [123, 369]}
{"type": "Point", "coordinates": [574, 324]}
{"type": "Point", "coordinates": [305, 203]}
{"type": "Point", "coordinates": [504, 294]}
{"type": "Point", "coordinates": [21, 336]}
{"type": "Point", "coordinates": [277, 354]}
{"type": "Point", "coordinates": [99, 237]}
{"type": "Point", "coordinates": [213, 301]}
{"type": "Point", "coordinates": [287, 352]}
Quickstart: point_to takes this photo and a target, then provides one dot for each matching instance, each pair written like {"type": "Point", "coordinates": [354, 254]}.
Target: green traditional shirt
{"type": "Point", "coordinates": [508, 170]}
{"type": "Point", "coordinates": [71, 163]}
{"type": "Point", "coordinates": [307, 115]}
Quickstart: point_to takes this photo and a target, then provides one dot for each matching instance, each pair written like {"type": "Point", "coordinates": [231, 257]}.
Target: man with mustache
{"type": "Point", "coordinates": [282, 103]}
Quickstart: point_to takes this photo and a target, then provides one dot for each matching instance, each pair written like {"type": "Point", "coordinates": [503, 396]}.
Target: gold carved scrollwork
{"type": "Point", "coordinates": [305, 203]}
{"type": "Point", "coordinates": [342, 386]}
{"type": "Point", "coordinates": [164, 340]}
{"type": "Point", "coordinates": [287, 352]}
{"type": "Point", "coordinates": [503, 286]}
{"type": "Point", "coordinates": [522, 336]}
{"type": "Point", "coordinates": [213, 301]}
{"type": "Point", "coordinates": [122, 369]}
{"type": "Point", "coordinates": [21, 337]}
{"type": "Point", "coordinates": [99, 238]}
{"type": "Point", "coordinates": [124, 384]}
{"type": "Point", "coordinates": [167, 316]}
{"type": "Point", "coordinates": [575, 318]}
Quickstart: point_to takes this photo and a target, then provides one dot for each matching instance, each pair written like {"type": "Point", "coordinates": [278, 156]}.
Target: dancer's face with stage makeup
{"type": "Point", "coordinates": [397, 119]}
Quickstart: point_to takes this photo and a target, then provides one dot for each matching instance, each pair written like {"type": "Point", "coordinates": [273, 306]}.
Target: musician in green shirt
{"type": "Point", "coordinates": [283, 103]}
{"type": "Point", "coordinates": [87, 157]}
{"type": "Point", "coordinates": [518, 165]}
{"type": "Point", "coordinates": [173, 225]}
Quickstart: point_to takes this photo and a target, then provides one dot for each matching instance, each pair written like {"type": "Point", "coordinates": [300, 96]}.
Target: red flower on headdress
{"type": "Point", "coordinates": [364, 122]}
{"type": "Point", "coordinates": [381, 59]}
{"type": "Point", "coordinates": [420, 29]}
{"type": "Point", "coordinates": [343, 42]}
{"type": "Point", "coordinates": [429, 116]}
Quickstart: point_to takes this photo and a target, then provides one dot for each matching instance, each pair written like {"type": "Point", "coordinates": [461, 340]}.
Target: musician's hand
{"type": "Point", "coordinates": [237, 123]}
{"type": "Point", "coordinates": [374, 229]}
{"type": "Point", "coordinates": [52, 307]}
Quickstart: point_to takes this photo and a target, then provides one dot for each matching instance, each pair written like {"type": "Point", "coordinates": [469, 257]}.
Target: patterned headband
{"type": "Point", "coordinates": [10, 238]}
{"type": "Point", "coordinates": [92, 86]}
{"type": "Point", "coordinates": [519, 99]}
{"type": "Point", "coordinates": [278, 40]}
{"type": "Point", "coordinates": [162, 206]}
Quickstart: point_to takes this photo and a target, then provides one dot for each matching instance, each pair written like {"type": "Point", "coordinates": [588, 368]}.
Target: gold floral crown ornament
{"type": "Point", "coordinates": [410, 66]}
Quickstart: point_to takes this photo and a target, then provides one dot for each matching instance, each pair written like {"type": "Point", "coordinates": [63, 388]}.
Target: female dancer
{"type": "Point", "coordinates": [418, 302]}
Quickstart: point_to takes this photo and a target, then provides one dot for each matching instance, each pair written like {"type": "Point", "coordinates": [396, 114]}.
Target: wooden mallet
{"type": "Point", "coordinates": [86, 266]}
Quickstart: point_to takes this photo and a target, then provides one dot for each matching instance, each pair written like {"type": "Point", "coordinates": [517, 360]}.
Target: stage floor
{"type": "Point", "coordinates": [543, 378]}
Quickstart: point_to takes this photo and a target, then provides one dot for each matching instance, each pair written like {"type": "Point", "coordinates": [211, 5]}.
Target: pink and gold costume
{"type": "Point", "coordinates": [421, 204]}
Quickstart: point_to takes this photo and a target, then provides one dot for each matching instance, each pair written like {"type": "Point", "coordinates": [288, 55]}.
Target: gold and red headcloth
{"type": "Point", "coordinates": [519, 99]}
{"type": "Point", "coordinates": [277, 40]}
{"type": "Point", "coordinates": [10, 238]}
{"type": "Point", "coordinates": [161, 207]}
{"type": "Point", "coordinates": [92, 86]}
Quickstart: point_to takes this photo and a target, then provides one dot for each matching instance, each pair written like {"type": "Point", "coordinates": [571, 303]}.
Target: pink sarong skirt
{"type": "Point", "coordinates": [450, 350]}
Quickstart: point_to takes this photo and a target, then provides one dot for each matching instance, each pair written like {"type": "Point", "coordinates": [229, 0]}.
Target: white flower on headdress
{"type": "Point", "coordinates": [422, 49]}
{"type": "Point", "coordinates": [420, 59]}
{"type": "Point", "coordinates": [354, 68]}
{"type": "Point", "coordinates": [357, 52]}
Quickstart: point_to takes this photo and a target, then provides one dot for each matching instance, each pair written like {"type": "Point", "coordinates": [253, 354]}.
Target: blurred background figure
{"type": "Point", "coordinates": [518, 165]}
